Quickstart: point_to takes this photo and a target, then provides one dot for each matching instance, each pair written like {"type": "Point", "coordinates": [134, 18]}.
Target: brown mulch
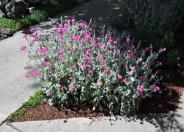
{"type": "Point", "coordinates": [46, 112]}
{"type": "Point", "coordinates": [164, 102]}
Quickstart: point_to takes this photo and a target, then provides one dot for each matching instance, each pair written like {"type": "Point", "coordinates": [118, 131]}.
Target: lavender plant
{"type": "Point", "coordinates": [76, 67]}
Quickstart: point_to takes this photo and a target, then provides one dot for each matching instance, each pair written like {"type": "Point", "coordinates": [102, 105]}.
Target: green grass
{"type": "Point", "coordinates": [49, 8]}
{"type": "Point", "coordinates": [33, 101]}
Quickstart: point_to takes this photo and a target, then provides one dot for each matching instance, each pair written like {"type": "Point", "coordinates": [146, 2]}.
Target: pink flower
{"type": "Point", "coordinates": [160, 63]}
{"type": "Point", "coordinates": [98, 82]}
{"type": "Point", "coordinates": [87, 36]}
{"type": "Point", "coordinates": [102, 46]}
{"type": "Point", "coordinates": [81, 24]}
{"type": "Point", "coordinates": [35, 73]}
{"type": "Point", "coordinates": [100, 58]}
{"type": "Point", "coordinates": [82, 40]}
{"type": "Point", "coordinates": [141, 88]}
{"type": "Point", "coordinates": [131, 54]}
{"type": "Point", "coordinates": [75, 38]}
{"type": "Point", "coordinates": [88, 55]}
{"type": "Point", "coordinates": [164, 49]}
{"type": "Point", "coordinates": [53, 74]}
{"type": "Point", "coordinates": [74, 67]}
{"type": "Point", "coordinates": [143, 63]}
{"type": "Point", "coordinates": [110, 39]}
{"type": "Point", "coordinates": [125, 81]}
{"type": "Point", "coordinates": [22, 48]}
{"type": "Point", "coordinates": [61, 51]}
{"type": "Point", "coordinates": [48, 93]}
{"type": "Point", "coordinates": [93, 42]}
{"type": "Point", "coordinates": [115, 42]}
{"type": "Point", "coordinates": [133, 69]}
{"type": "Point", "coordinates": [43, 50]}
{"type": "Point", "coordinates": [156, 88]}
{"type": "Point", "coordinates": [83, 67]}
{"type": "Point", "coordinates": [25, 36]}
{"type": "Point", "coordinates": [73, 20]}
{"type": "Point", "coordinates": [60, 58]}
{"type": "Point", "coordinates": [120, 77]}
{"type": "Point", "coordinates": [60, 36]}
{"type": "Point", "coordinates": [73, 88]}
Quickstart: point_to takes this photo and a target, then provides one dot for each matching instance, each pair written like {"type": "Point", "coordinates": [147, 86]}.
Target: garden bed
{"type": "Point", "coordinates": [166, 102]}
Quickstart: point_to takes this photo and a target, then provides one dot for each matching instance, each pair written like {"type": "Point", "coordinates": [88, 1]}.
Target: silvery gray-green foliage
{"type": "Point", "coordinates": [75, 67]}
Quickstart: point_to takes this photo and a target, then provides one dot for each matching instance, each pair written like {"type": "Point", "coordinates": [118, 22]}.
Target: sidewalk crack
{"type": "Point", "coordinates": [13, 127]}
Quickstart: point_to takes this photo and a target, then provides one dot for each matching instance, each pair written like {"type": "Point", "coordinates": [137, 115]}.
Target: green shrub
{"type": "Point", "coordinates": [155, 22]}
{"type": "Point", "coordinates": [9, 23]}
{"type": "Point", "coordinates": [77, 68]}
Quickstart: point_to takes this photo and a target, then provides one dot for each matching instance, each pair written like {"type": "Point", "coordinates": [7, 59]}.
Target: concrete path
{"type": "Point", "coordinates": [14, 90]}
{"type": "Point", "coordinates": [172, 122]}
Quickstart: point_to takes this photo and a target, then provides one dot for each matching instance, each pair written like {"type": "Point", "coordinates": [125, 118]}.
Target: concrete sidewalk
{"type": "Point", "coordinates": [14, 90]}
{"type": "Point", "coordinates": [172, 122]}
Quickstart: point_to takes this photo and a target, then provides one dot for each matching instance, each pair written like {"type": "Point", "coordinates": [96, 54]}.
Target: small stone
{"type": "Point", "coordinates": [7, 32]}
{"type": "Point", "coordinates": [16, 9]}
{"type": "Point", "coordinates": [1, 13]}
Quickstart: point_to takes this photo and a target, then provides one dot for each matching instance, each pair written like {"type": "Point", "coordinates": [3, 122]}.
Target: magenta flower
{"type": "Point", "coordinates": [160, 63]}
{"type": "Point", "coordinates": [43, 50]}
{"type": "Point", "coordinates": [35, 73]}
{"type": "Point", "coordinates": [156, 88]}
{"type": "Point", "coordinates": [100, 58]}
{"type": "Point", "coordinates": [132, 55]}
{"type": "Point", "coordinates": [74, 67]}
{"type": "Point", "coordinates": [125, 81]}
{"type": "Point", "coordinates": [22, 48]}
{"type": "Point", "coordinates": [164, 49]}
{"type": "Point", "coordinates": [98, 82]}
{"type": "Point", "coordinates": [88, 55]}
{"type": "Point", "coordinates": [73, 88]}
{"type": "Point", "coordinates": [93, 42]}
{"type": "Point", "coordinates": [73, 20]}
{"type": "Point", "coordinates": [87, 36]}
{"type": "Point", "coordinates": [75, 38]}
{"type": "Point", "coordinates": [141, 88]}
{"type": "Point", "coordinates": [81, 24]}
{"type": "Point", "coordinates": [53, 74]}
{"type": "Point", "coordinates": [101, 46]}
{"type": "Point", "coordinates": [61, 51]}
{"type": "Point", "coordinates": [120, 77]}
{"type": "Point", "coordinates": [48, 93]}
{"type": "Point", "coordinates": [82, 40]}
{"type": "Point", "coordinates": [107, 70]}
{"type": "Point", "coordinates": [60, 58]}
{"type": "Point", "coordinates": [83, 67]}
{"type": "Point", "coordinates": [143, 63]}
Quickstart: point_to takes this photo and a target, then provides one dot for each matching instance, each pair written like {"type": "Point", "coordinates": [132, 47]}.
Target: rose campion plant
{"type": "Point", "coordinates": [76, 67]}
